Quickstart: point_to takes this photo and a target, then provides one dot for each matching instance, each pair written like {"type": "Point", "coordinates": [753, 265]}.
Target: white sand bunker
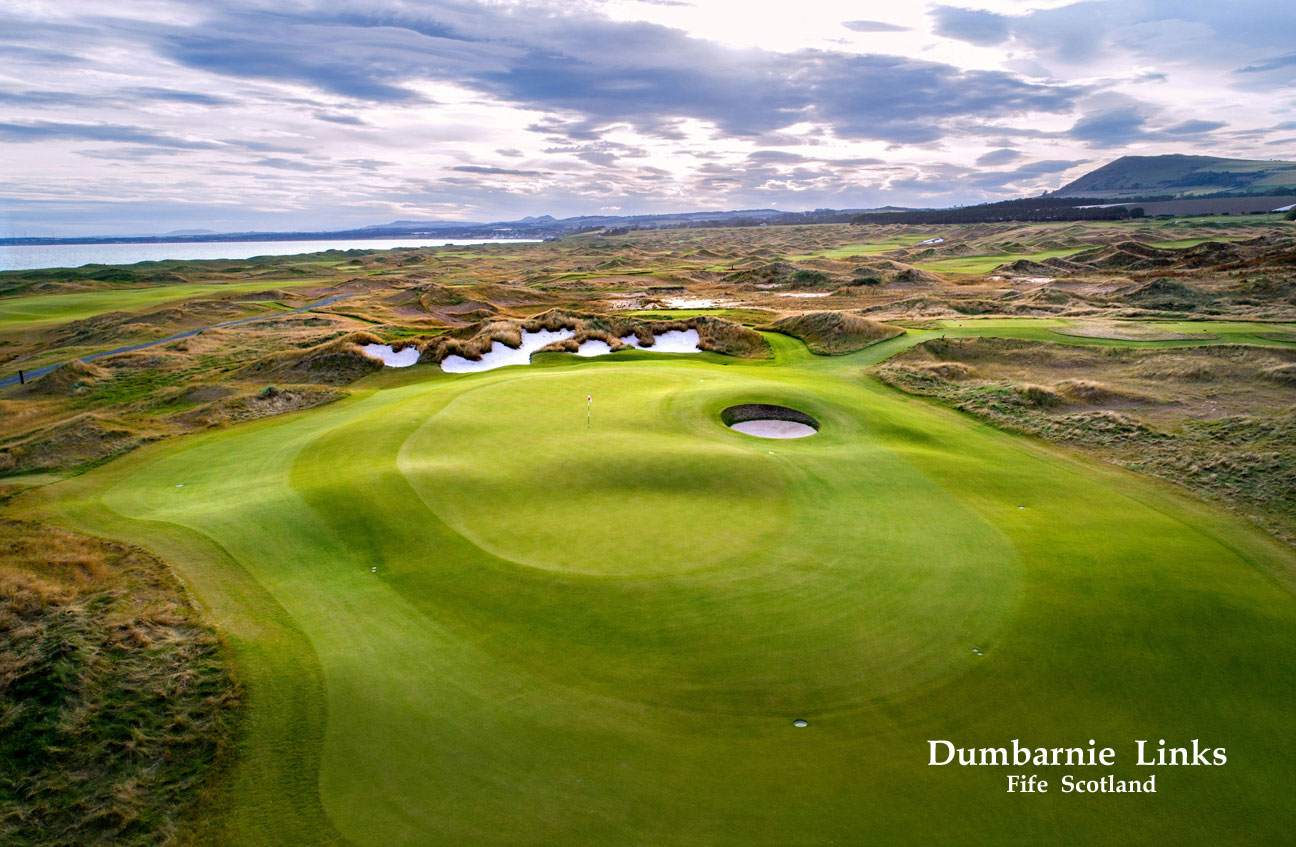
{"type": "Point", "coordinates": [672, 341]}
{"type": "Point", "coordinates": [501, 355]}
{"type": "Point", "coordinates": [764, 420]}
{"type": "Point", "coordinates": [774, 429]}
{"type": "Point", "coordinates": [392, 358]}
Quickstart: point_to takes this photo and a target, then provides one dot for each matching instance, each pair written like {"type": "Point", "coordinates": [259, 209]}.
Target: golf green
{"type": "Point", "coordinates": [464, 615]}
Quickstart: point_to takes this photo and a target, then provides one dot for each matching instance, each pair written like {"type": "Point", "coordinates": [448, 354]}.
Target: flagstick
{"type": "Point", "coordinates": [589, 402]}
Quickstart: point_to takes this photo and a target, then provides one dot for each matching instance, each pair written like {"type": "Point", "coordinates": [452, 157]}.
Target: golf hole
{"type": "Point", "coordinates": [764, 420]}
{"type": "Point", "coordinates": [800, 723]}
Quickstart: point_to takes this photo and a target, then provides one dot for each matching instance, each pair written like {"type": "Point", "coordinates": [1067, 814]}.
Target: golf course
{"type": "Point", "coordinates": [564, 604]}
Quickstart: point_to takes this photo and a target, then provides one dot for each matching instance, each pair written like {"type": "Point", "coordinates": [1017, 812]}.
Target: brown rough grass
{"type": "Point", "coordinates": [834, 333]}
{"type": "Point", "coordinates": [116, 706]}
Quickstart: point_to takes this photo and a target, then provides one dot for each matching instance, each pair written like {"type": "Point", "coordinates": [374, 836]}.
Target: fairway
{"type": "Point", "coordinates": [19, 313]}
{"type": "Point", "coordinates": [464, 615]}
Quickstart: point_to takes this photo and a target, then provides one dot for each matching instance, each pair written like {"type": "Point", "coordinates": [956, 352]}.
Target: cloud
{"type": "Point", "coordinates": [1023, 175]}
{"type": "Point", "coordinates": [290, 165]}
{"type": "Point", "coordinates": [1117, 120]}
{"type": "Point", "coordinates": [47, 130]}
{"type": "Point", "coordinates": [478, 169]}
{"type": "Point", "coordinates": [971, 25]}
{"type": "Point", "coordinates": [347, 120]}
{"type": "Point", "coordinates": [599, 72]}
{"type": "Point", "coordinates": [999, 157]}
{"type": "Point", "coordinates": [1274, 64]}
{"type": "Point", "coordinates": [174, 95]}
{"type": "Point", "coordinates": [1193, 127]}
{"type": "Point", "coordinates": [289, 102]}
{"type": "Point", "coordinates": [1110, 127]}
{"type": "Point", "coordinates": [873, 26]}
{"type": "Point", "coordinates": [121, 96]}
{"type": "Point", "coordinates": [1160, 31]}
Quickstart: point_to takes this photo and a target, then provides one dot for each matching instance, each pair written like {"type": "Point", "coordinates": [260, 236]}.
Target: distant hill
{"type": "Point", "coordinates": [1177, 175]}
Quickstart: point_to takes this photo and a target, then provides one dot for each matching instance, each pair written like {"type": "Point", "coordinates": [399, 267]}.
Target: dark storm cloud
{"type": "Point", "coordinates": [970, 25]}
{"type": "Point", "coordinates": [47, 130]}
{"type": "Point", "coordinates": [873, 26]}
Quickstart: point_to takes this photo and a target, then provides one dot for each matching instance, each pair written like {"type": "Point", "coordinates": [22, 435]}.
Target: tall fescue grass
{"type": "Point", "coordinates": [116, 706]}
{"type": "Point", "coordinates": [833, 333]}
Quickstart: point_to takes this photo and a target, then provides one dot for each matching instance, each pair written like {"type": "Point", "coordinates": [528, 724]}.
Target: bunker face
{"type": "Point", "coordinates": [501, 355]}
{"type": "Point", "coordinates": [593, 347]}
{"type": "Point", "coordinates": [392, 358]}
{"type": "Point", "coordinates": [774, 429]}
{"type": "Point", "coordinates": [764, 420]}
{"type": "Point", "coordinates": [673, 341]}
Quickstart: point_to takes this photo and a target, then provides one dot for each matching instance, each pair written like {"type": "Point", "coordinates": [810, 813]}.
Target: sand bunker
{"type": "Point", "coordinates": [764, 420]}
{"type": "Point", "coordinates": [391, 358]}
{"type": "Point", "coordinates": [593, 347]}
{"type": "Point", "coordinates": [674, 341]}
{"type": "Point", "coordinates": [501, 355]}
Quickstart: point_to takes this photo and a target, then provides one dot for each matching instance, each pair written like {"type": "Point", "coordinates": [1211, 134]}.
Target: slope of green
{"type": "Point", "coordinates": [467, 617]}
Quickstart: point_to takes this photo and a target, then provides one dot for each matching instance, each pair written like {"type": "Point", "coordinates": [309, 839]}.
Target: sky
{"type": "Point", "coordinates": [150, 116]}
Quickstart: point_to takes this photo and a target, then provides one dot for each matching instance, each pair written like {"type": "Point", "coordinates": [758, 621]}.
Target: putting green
{"type": "Point", "coordinates": [602, 634]}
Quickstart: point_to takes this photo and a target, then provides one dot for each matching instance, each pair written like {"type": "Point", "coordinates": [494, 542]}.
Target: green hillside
{"type": "Point", "coordinates": [1182, 176]}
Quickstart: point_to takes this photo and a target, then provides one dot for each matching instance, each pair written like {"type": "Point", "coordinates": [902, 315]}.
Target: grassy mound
{"type": "Point", "coordinates": [80, 440]}
{"type": "Point", "coordinates": [115, 703]}
{"type": "Point", "coordinates": [334, 362]}
{"type": "Point", "coordinates": [833, 333]}
{"type": "Point", "coordinates": [72, 378]}
{"type": "Point", "coordinates": [1216, 419]}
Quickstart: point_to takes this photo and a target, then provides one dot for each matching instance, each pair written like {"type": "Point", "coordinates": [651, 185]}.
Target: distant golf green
{"type": "Point", "coordinates": [987, 263]}
{"type": "Point", "coordinates": [18, 313]}
{"type": "Point", "coordinates": [465, 617]}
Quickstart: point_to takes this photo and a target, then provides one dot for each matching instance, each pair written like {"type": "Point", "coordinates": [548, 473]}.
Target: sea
{"type": "Point", "coordinates": [33, 256]}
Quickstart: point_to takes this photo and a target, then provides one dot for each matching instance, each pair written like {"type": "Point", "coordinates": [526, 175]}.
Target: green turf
{"type": "Point", "coordinates": [19, 313]}
{"type": "Point", "coordinates": [602, 635]}
{"type": "Point", "coordinates": [864, 248]}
